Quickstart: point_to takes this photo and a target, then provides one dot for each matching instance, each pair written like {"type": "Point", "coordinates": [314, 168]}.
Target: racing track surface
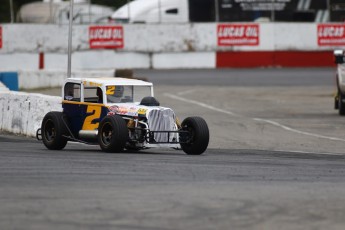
{"type": "Point", "coordinates": [276, 161]}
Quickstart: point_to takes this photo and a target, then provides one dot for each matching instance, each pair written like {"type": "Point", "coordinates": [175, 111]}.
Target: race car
{"type": "Point", "coordinates": [117, 114]}
{"type": "Point", "coordinates": [339, 99]}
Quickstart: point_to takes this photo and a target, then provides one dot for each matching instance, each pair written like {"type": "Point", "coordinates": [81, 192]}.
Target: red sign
{"type": "Point", "coordinates": [238, 34]}
{"type": "Point", "coordinates": [331, 35]}
{"type": "Point", "coordinates": [106, 37]}
{"type": "Point", "coordinates": [0, 37]}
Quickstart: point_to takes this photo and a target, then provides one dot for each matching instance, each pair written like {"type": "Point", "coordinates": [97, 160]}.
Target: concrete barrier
{"type": "Point", "coordinates": [158, 46]}
{"type": "Point", "coordinates": [22, 113]}
{"type": "Point", "coordinates": [32, 79]}
{"type": "Point", "coordinates": [188, 60]}
{"type": "Point", "coordinates": [81, 60]}
{"type": "Point", "coordinates": [3, 88]}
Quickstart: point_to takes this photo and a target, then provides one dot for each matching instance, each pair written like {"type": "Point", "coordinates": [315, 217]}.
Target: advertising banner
{"type": "Point", "coordinates": [238, 34]}
{"type": "Point", "coordinates": [106, 37]}
{"type": "Point", "coordinates": [331, 35]}
{"type": "Point", "coordinates": [0, 37]}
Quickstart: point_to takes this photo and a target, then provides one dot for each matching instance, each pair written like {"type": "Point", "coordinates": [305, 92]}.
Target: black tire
{"type": "Point", "coordinates": [198, 129]}
{"type": "Point", "coordinates": [341, 104]}
{"type": "Point", "coordinates": [112, 134]}
{"type": "Point", "coordinates": [336, 102]}
{"type": "Point", "coordinates": [53, 128]}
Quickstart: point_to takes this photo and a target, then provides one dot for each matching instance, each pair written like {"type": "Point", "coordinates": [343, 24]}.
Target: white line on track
{"type": "Point", "coordinates": [200, 104]}
{"type": "Point", "coordinates": [186, 92]}
{"type": "Point", "coordinates": [308, 152]}
{"type": "Point", "coordinates": [298, 131]}
{"type": "Point", "coordinates": [255, 119]}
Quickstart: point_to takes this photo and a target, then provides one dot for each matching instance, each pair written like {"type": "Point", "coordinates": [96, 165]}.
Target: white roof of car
{"type": "Point", "coordinates": [108, 81]}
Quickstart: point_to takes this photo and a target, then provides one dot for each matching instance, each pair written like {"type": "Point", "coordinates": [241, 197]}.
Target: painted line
{"type": "Point", "coordinates": [200, 104]}
{"type": "Point", "coordinates": [186, 92]}
{"type": "Point", "coordinates": [298, 131]}
{"type": "Point", "coordinates": [308, 152]}
{"type": "Point", "coordinates": [255, 119]}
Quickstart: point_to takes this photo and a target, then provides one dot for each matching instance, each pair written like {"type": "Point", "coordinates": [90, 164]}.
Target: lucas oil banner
{"type": "Point", "coordinates": [106, 37]}
{"type": "Point", "coordinates": [331, 34]}
{"type": "Point", "coordinates": [238, 34]}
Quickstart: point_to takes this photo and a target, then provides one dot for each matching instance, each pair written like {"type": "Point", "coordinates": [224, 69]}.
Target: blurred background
{"type": "Point", "coordinates": [169, 34]}
{"type": "Point", "coordinates": [97, 11]}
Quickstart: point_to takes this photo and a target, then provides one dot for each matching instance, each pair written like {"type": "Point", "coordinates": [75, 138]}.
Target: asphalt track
{"type": "Point", "coordinates": [276, 161]}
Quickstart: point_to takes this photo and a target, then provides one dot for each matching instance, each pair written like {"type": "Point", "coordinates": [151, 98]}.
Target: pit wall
{"type": "Point", "coordinates": [28, 46]}
{"type": "Point", "coordinates": [33, 79]}
{"type": "Point", "coordinates": [22, 113]}
{"type": "Point", "coordinates": [36, 79]}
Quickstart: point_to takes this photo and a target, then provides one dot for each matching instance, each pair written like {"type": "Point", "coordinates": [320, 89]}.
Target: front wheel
{"type": "Point", "coordinates": [198, 135]}
{"type": "Point", "coordinates": [112, 134]}
{"type": "Point", "coordinates": [53, 131]}
{"type": "Point", "coordinates": [341, 104]}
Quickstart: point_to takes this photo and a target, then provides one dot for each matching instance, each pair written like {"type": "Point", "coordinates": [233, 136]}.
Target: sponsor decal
{"type": "Point", "coordinates": [142, 111]}
{"type": "Point", "coordinates": [90, 83]}
{"type": "Point", "coordinates": [0, 37]}
{"type": "Point", "coordinates": [121, 110]}
{"type": "Point", "coordinates": [117, 110]}
{"type": "Point", "coordinates": [238, 34]}
{"type": "Point", "coordinates": [111, 113]}
{"type": "Point", "coordinates": [112, 110]}
{"type": "Point", "coordinates": [331, 34]}
{"type": "Point", "coordinates": [106, 37]}
{"type": "Point", "coordinates": [110, 90]}
{"type": "Point", "coordinates": [132, 111]}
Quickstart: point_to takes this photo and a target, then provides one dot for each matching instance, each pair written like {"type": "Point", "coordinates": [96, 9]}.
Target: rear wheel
{"type": "Point", "coordinates": [198, 133]}
{"type": "Point", "coordinates": [112, 134]}
{"type": "Point", "coordinates": [53, 128]}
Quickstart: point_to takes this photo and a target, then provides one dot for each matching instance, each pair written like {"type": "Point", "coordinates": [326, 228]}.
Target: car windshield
{"type": "Point", "coordinates": [126, 93]}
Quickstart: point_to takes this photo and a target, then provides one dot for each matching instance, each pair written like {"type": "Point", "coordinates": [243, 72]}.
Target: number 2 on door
{"type": "Point", "coordinates": [94, 113]}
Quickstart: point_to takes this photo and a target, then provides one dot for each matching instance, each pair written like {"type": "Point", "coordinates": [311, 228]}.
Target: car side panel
{"type": "Point", "coordinates": [83, 116]}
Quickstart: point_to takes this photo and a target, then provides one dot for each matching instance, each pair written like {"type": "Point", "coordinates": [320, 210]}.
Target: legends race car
{"type": "Point", "coordinates": [339, 99]}
{"type": "Point", "coordinates": [119, 113]}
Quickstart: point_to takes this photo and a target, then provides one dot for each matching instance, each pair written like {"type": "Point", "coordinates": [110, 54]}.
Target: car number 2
{"type": "Point", "coordinates": [93, 113]}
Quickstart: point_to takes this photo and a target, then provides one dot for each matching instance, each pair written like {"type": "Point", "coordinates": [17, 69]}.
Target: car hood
{"type": "Point", "coordinates": [133, 109]}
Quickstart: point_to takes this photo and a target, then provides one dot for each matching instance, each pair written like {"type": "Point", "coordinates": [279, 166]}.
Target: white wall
{"type": "Point", "coordinates": [22, 113]}
{"type": "Point", "coordinates": [145, 46]}
{"type": "Point", "coordinates": [31, 79]}
{"type": "Point", "coordinates": [141, 38]}
{"type": "Point", "coordinates": [184, 60]}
